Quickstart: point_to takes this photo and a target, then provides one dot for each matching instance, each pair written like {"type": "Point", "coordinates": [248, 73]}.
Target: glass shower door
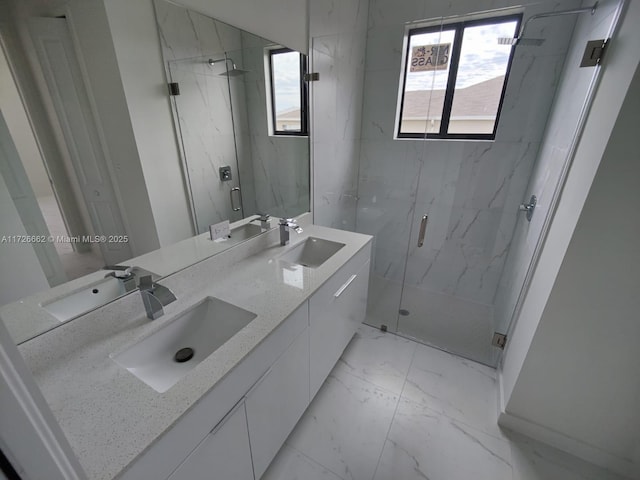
{"type": "Point", "coordinates": [206, 131]}
{"type": "Point", "coordinates": [460, 235]}
{"type": "Point", "coordinates": [390, 173]}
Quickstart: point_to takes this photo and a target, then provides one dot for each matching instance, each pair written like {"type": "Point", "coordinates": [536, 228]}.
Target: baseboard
{"type": "Point", "coordinates": [577, 448]}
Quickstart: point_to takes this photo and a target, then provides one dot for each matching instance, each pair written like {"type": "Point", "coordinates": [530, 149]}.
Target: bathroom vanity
{"type": "Point", "coordinates": [284, 313]}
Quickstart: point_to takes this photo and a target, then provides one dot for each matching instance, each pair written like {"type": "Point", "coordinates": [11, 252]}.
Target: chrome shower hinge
{"type": "Point", "coordinates": [593, 52]}
{"type": "Point", "coordinates": [499, 340]}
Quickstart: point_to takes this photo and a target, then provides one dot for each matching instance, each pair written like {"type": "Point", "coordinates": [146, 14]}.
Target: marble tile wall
{"type": "Point", "coordinates": [188, 40]}
{"type": "Point", "coordinates": [280, 164]}
{"type": "Point", "coordinates": [560, 129]}
{"type": "Point", "coordinates": [338, 41]}
{"type": "Point", "coordinates": [470, 190]}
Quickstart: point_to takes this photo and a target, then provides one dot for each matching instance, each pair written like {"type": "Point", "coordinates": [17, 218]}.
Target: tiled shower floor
{"type": "Point", "coordinates": [393, 409]}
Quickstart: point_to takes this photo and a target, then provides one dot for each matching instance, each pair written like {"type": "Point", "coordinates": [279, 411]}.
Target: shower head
{"type": "Point", "coordinates": [234, 72]}
{"type": "Point", "coordinates": [520, 40]}
{"type": "Point", "coordinates": [534, 42]}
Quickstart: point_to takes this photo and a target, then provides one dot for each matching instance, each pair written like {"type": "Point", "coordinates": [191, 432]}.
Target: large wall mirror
{"type": "Point", "coordinates": [232, 96]}
{"type": "Point", "coordinates": [107, 158]}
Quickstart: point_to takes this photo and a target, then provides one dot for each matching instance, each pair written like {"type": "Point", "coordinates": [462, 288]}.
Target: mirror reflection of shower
{"type": "Point", "coordinates": [536, 42]}
{"type": "Point", "coordinates": [234, 72]}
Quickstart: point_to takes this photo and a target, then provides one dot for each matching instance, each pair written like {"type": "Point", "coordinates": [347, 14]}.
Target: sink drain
{"type": "Point", "coordinates": [183, 355]}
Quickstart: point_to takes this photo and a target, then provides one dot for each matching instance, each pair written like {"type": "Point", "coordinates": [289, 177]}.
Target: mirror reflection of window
{"type": "Point", "coordinates": [288, 92]}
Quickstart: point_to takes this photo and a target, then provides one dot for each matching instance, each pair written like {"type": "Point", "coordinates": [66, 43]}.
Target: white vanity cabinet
{"type": "Point", "coordinates": [263, 398]}
{"type": "Point", "coordinates": [335, 311]}
{"type": "Point", "coordinates": [224, 453]}
{"type": "Point", "coordinates": [276, 403]}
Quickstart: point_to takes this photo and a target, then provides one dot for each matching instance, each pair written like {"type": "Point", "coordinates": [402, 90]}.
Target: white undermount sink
{"type": "Point", "coordinates": [312, 252]}
{"type": "Point", "coordinates": [243, 232]}
{"type": "Point", "coordinates": [161, 359]}
{"type": "Point", "coordinates": [90, 297]}
{"type": "Point", "coordinates": [85, 299]}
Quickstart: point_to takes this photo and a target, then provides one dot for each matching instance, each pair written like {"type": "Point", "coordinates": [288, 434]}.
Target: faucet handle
{"type": "Point", "coordinates": [118, 271]}
{"type": "Point", "coordinates": [146, 283]}
{"type": "Point", "coordinates": [263, 216]}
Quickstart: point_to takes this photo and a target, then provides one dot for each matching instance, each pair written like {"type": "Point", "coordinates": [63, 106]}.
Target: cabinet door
{"type": "Point", "coordinates": [223, 454]}
{"type": "Point", "coordinates": [335, 311]}
{"type": "Point", "coordinates": [276, 403]}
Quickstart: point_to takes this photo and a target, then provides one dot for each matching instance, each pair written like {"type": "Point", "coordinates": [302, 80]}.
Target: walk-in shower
{"type": "Point", "coordinates": [452, 250]}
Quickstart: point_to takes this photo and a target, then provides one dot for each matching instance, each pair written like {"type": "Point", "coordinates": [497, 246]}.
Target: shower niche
{"type": "Point", "coordinates": [221, 121]}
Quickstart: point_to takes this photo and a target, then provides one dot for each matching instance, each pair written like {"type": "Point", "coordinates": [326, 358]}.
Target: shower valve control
{"type": "Point", "coordinates": [225, 174]}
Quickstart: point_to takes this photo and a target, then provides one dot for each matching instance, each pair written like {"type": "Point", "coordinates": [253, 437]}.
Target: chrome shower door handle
{"type": "Point", "coordinates": [423, 229]}
{"type": "Point", "coordinates": [233, 207]}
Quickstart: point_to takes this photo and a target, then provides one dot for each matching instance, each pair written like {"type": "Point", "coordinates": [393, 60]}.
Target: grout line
{"type": "Point", "coordinates": [413, 356]}
{"type": "Point", "coordinates": [313, 460]}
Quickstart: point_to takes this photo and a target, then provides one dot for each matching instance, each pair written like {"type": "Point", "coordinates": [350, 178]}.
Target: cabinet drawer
{"type": "Point", "coordinates": [276, 403]}
{"type": "Point", "coordinates": [335, 311]}
{"type": "Point", "coordinates": [224, 453]}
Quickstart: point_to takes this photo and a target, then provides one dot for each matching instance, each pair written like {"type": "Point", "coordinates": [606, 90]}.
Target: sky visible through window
{"type": "Point", "coordinates": [286, 74]}
{"type": "Point", "coordinates": [482, 57]}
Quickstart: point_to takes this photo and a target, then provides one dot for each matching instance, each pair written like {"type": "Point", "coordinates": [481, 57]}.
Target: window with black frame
{"type": "Point", "coordinates": [289, 112]}
{"type": "Point", "coordinates": [454, 79]}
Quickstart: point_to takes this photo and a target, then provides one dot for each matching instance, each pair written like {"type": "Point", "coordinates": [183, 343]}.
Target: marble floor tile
{"type": "Point", "coordinates": [345, 426]}
{"type": "Point", "coordinates": [443, 426]}
{"type": "Point", "coordinates": [290, 464]}
{"type": "Point", "coordinates": [456, 387]}
{"type": "Point", "coordinates": [377, 357]}
{"type": "Point", "coordinates": [533, 460]}
{"type": "Point", "coordinates": [424, 444]}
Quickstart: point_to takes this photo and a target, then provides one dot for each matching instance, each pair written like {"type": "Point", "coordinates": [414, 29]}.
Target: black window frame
{"type": "Point", "coordinates": [304, 95]}
{"type": "Point", "coordinates": [459, 28]}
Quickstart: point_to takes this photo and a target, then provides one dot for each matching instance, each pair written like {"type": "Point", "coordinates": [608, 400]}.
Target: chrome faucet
{"type": "Point", "coordinates": [154, 297]}
{"type": "Point", "coordinates": [285, 225]}
{"type": "Point", "coordinates": [124, 273]}
{"type": "Point", "coordinates": [264, 221]}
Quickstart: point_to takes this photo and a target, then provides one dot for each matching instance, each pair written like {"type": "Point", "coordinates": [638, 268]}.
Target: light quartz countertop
{"type": "Point", "coordinates": [26, 318]}
{"type": "Point", "coordinates": [109, 416]}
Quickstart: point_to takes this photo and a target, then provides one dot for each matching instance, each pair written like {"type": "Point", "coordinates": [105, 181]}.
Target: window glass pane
{"type": "Point", "coordinates": [480, 79]}
{"type": "Point", "coordinates": [286, 91]}
{"type": "Point", "coordinates": [427, 70]}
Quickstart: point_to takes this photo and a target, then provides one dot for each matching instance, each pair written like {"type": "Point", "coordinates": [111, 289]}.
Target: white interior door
{"type": "Point", "coordinates": [60, 67]}
{"type": "Point", "coordinates": [17, 182]}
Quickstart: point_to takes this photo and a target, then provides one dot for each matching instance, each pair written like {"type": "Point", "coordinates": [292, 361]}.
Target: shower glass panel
{"type": "Point", "coordinates": [459, 284]}
{"type": "Point", "coordinates": [207, 132]}
{"type": "Point", "coordinates": [390, 173]}
{"type": "Point", "coordinates": [452, 269]}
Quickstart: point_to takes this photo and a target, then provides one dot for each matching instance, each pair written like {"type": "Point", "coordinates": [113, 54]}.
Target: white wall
{"type": "Point", "coordinates": [139, 58]}
{"type": "Point", "coordinates": [30, 437]}
{"type": "Point", "coordinates": [283, 21]}
{"type": "Point", "coordinates": [570, 367]}
{"type": "Point", "coordinates": [27, 277]}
